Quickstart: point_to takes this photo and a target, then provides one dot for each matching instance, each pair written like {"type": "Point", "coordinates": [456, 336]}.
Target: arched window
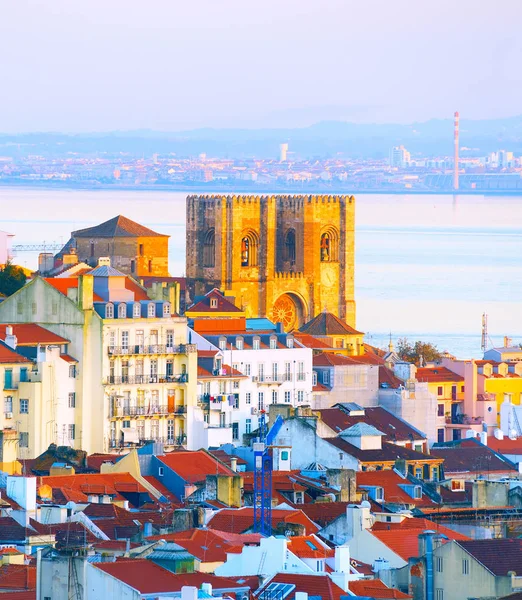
{"type": "Point", "coordinates": [209, 249]}
{"type": "Point", "coordinates": [289, 250]}
{"type": "Point", "coordinates": [136, 310]}
{"type": "Point", "coordinates": [122, 310]}
{"type": "Point", "coordinates": [329, 245]}
{"type": "Point", "coordinates": [109, 311]}
{"type": "Point", "coordinates": [249, 248]}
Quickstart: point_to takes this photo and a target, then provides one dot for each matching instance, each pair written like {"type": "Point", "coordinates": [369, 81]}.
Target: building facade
{"type": "Point", "coordinates": [282, 257]}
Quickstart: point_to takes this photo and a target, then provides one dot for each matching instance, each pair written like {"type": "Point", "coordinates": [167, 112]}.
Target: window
{"type": "Point", "coordinates": [274, 371]}
{"type": "Point", "coordinates": [161, 470]}
{"type": "Point", "coordinates": [248, 398]}
{"type": "Point", "coordinates": [248, 426]}
{"type": "Point", "coordinates": [273, 343]}
{"type": "Point", "coordinates": [289, 248]}
{"type": "Point", "coordinates": [136, 310]}
{"type": "Point", "coordinates": [439, 594]}
{"type": "Point", "coordinates": [72, 432]}
{"type": "Point", "coordinates": [72, 400]}
{"type": "Point", "coordinates": [418, 472]}
{"type": "Point", "coordinates": [235, 431]}
{"type": "Point", "coordinates": [20, 308]}
{"type": "Point", "coordinates": [440, 391]}
{"type": "Point", "coordinates": [248, 369]}
{"type": "Point", "coordinates": [435, 473]}
{"type": "Point", "coordinates": [133, 266]}
{"type": "Point", "coordinates": [170, 339]}
{"type": "Point", "coordinates": [8, 404]}
{"type": "Point", "coordinates": [440, 436]}
{"type": "Point", "coordinates": [125, 340]}
{"type": "Point", "coordinates": [170, 367]}
{"type": "Point", "coordinates": [112, 339]}
{"type": "Point", "coordinates": [125, 371]}
{"type": "Point", "coordinates": [109, 311]}
{"type": "Point", "coordinates": [300, 371]}
{"type": "Point", "coordinates": [440, 564]}
{"type": "Point", "coordinates": [300, 396]}
{"type": "Point", "coordinates": [326, 377]}
{"type": "Point", "coordinates": [261, 371]}
{"type": "Point", "coordinates": [289, 342]}
{"type": "Point", "coordinates": [235, 403]}
{"type": "Point", "coordinates": [222, 386]}
{"type": "Point", "coordinates": [288, 372]}
{"type": "Point", "coordinates": [314, 378]}
{"type": "Point", "coordinates": [261, 401]}
{"type": "Point", "coordinates": [170, 430]}
{"type": "Point", "coordinates": [417, 492]}
{"type": "Point", "coordinates": [122, 310]}
{"type": "Point", "coordinates": [235, 384]}
{"type": "Point", "coordinates": [151, 310]}
{"type": "Point", "coordinates": [440, 410]}
{"type": "Point", "coordinates": [72, 371]}
{"type": "Point", "coordinates": [222, 343]}
{"type": "Point", "coordinates": [23, 374]}
{"type": "Point", "coordinates": [239, 343]}
{"type": "Point", "coordinates": [462, 388]}
{"type": "Point", "coordinates": [319, 566]}
{"type": "Point", "coordinates": [288, 396]}
{"type": "Point", "coordinates": [150, 266]}
{"type": "Point", "coordinates": [249, 245]}
{"type": "Point", "coordinates": [256, 343]}
{"type": "Point", "coordinates": [329, 243]}
{"type": "Point", "coordinates": [153, 370]}
{"type": "Point", "coordinates": [284, 455]}
{"type": "Point", "coordinates": [209, 249]}
{"type": "Point", "coordinates": [141, 249]}
{"type": "Point", "coordinates": [213, 303]}
{"type": "Point", "coordinates": [92, 249]}
{"type": "Point", "coordinates": [465, 566]}
{"type": "Point", "coordinates": [24, 407]}
{"type": "Point", "coordinates": [274, 396]}
{"type": "Point", "coordinates": [24, 439]}
{"type": "Point", "coordinates": [166, 309]}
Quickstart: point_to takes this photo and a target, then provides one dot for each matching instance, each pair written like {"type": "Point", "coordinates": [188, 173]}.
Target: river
{"type": "Point", "coordinates": [427, 266]}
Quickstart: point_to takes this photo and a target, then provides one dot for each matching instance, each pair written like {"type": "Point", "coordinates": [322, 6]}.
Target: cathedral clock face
{"type": "Point", "coordinates": [327, 276]}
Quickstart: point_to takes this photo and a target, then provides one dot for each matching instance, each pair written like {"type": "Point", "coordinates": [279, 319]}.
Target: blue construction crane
{"type": "Point", "coordinates": [263, 475]}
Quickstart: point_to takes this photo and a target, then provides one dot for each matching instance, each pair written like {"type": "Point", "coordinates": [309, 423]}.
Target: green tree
{"type": "Point", "coordinates": [12, 278]}
{"type": "Point", "coordinates": [412, 352]}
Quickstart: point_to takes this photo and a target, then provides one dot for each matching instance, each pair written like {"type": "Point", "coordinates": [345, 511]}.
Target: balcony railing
{"type": "Point", "coordinates": [269, 378]}
{"type": "Point", "coordinates": [145, 379]}
{"type": "Point", "coordinates": [147, 411]}
{"type": "Point", "coordinates": [151, 349]}
{"type": "Point", "coordinates": [179, 440]}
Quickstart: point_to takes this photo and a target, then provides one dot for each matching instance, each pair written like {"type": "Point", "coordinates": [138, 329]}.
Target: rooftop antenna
{"type": "Point", "coordinates": [484, 343]}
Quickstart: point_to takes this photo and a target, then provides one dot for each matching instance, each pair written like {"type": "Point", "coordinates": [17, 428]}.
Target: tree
{"type": "Point", "coordinates": [413, 352]}
{"type": "Point", "coordinates": [12, 278]}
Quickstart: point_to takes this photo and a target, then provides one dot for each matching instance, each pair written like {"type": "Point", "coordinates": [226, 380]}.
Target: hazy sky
{"type": "Point", "coordinates": [81, 65]}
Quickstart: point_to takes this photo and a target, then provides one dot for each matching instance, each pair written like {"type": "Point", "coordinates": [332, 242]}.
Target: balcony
{"type": "Point", "coordinates": [151, 349]}
{"type": "Point", "coordinates": [179, 440]}
{"type": "Point", "coordinates": [144, 379]}
{"type": "Point", "coordinates": [270, 379]}
{"type": "Point", "coordinates": [147, 411]}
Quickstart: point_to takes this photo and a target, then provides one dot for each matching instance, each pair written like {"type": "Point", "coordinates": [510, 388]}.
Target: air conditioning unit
{"type": "Point", "coordinates": [253, 410]}
{"type": "Point", "coordinates": [8, 415]}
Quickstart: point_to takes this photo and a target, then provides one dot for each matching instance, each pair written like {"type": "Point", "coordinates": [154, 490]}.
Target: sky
{"type": "Point", "coordinates": [105, 65]}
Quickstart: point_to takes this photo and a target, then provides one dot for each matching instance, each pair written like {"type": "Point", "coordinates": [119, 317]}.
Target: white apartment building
{"type": "Point", "coordinates": [256, 368]}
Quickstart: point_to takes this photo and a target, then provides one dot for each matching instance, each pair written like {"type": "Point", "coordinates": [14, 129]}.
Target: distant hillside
{"type": "Point", "coordinates": [327, 138]}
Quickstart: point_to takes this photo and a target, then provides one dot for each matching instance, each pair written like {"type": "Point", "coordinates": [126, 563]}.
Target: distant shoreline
{"type": "Point", "coordinates": [258, 190]}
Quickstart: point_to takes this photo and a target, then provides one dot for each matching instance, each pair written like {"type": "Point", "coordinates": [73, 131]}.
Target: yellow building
{"type": "Point", "coordinates": [282, 257]}
{"type": "Point", "coordinates": [503, 380]}
{"type": "Point", "coordinates": [332, 330]}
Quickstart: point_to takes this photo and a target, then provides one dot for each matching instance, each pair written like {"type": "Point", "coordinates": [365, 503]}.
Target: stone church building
{"type": "Point", "coordinates": [283, 257]}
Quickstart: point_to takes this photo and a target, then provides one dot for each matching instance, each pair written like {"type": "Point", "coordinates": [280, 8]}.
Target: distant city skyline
{"type": "Point", "coordinates": [170, 66]}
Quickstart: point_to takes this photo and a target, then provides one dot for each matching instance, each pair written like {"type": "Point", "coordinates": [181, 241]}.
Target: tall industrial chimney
{"type": "Point", "coordinates": [456, 153]}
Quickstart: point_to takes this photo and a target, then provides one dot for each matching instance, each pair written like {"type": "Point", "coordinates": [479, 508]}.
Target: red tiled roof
{"type": "Point", "coordinates": [499, 555]}
{"type": "Point", "coordinates": [223, 304]}
{"type": "Point", "coordinates": [323, 513]}
{"type": "Point", "coordinates": [311, 342]}
{"type": "Point", "coordinates": [30, 334]}
{"type": "Point", "coordinates": [22, 595]}
{"type": "Point", "coordinates": [226, 458]}
{"type": "Point", "coordinates": [320, 586]}
{"type": "Point", "coordinates": [8, 356]}
{"type": "Point", "coordinates": [328, 359]}
{"type": "Point", "coordinates": [114, 545]}
{"type": "Point", "coordinates": [194, 466]}
{"type": "Point", "coordinates": [95, 461]}
{"type": "Point", "coordinates": [470, 456]}
{"type": "Point", "coordinates": [68, 358]}
{"type": "Point", "coordinates": [157, 485]}
{"type": "Point", "coordinates": [17, 577]}
{"type": "Point", "coordinates": [388, 453]}
{"type": "Point", "coordinates": [394, 429]}
{"type": "Point", "coordinates": [391, 481]}
{"type": "Point", "coordinates": [207, 353]}
{"type": "Point", "coordinates": [368, 358]}
{"type": "Point", "coordinates": [375, 588]}
{"type": "Point", "coordinates": [326, 323]}
{"type": "Point", "coordinates": [149, 578]}
{"type": "Point", "coordinates": [209, 545]}
{"type": "Point", "coordinates": [62, 284]}
{"type": "Point", "coordinates": [133, 286]}
{"type": "Point", "coordinates": [309, 546]}
{"type": "Point", "coordinates": [404, 541]}
{"type": "Point", "coordinates": [119, 226]}
{"type": "Point", "coordinates": [506, 445]}
{"type": "Point", "coordinates": [320, 387]}
{"type": "Point", "coordinates": [242, 519]}
{"type": "Point", "coordinates": [436, 374]}
{"type": "Point", "coordinates": [387, 378]}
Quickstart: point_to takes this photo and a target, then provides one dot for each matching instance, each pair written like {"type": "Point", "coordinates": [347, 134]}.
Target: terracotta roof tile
{"type": "Point", "coordinates": [118, 226]}
{"type": "Point", "coordinates": [388, 453]}
{"type": "Point", "coordinates": [223, 304]}
{"type": "Point", "coordinates": [17, 577]}
{"type": "Point", "coordinates": [391, 483]}
{"type": "Point", "coordinates": [30, 334]}
{"type": "Point", "coordinates": [375, 588]}
{"type": "Point", "coordinates": [323, 513]}
{"type": "Point", "coordinates": [309, 546]}
{"type": "Point", "coordinates": [242, 519]}
{"type": "Point", "coordinates": [499, 556]}
{"type": "Point", "coordinates": [62, 284]}
{"type": "Point", "coordinates": [470, 456]}
{"type": "Point", "coordinates": [436, 374]}
{"type": "Point", "coordinates": [326, 324]}
{"type": "Point", "coordinates": [9, 356]}
{"type": "Point", "coordinates": [320, 586]}
{"type": "Point", "coordinates": [194, 466]}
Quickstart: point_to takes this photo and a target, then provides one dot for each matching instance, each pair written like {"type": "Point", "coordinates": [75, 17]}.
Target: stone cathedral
{"type": "Point", "coordinates": [283, 257]}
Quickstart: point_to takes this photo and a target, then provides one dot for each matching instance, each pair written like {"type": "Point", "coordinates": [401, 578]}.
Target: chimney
{"type": "Point", "coordinates": [342, 559]}
{"type": "Point", "coordinates": [147, 529]}
{"type": "Point", "coordinates": [301, 596]}
{"type": "Point", "coordinates": [10, 338]}
{"type": "Point", "coordinates": [484, 438]}
{"type": "Point", "coordinates": [189, 592]}
{"type": "Point", "coordinates": [207, 588]}
{"type": "Point", "coordinates": [233, 463]}
{"type": "Point", "coordinates": [86, 291]}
